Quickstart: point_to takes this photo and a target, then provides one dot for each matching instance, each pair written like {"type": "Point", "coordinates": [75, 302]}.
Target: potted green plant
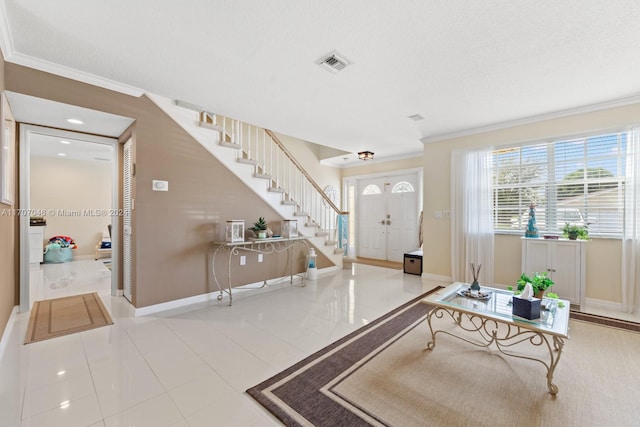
{"type": "Point", "coordinates": [260, 228]}
{"type": "Point", "coordinates": [574, 232]}
{"type": "Point", "coordinates": [539, 282]}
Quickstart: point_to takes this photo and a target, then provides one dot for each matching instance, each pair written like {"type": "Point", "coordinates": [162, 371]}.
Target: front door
{"type": "Point", "coordinates": [388, 216]}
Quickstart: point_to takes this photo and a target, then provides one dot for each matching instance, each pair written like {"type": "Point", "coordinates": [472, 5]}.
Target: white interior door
{"type": "Point", "coordinates": [127, 224]}
{"type": "Point", "coordinates": [388, 216]}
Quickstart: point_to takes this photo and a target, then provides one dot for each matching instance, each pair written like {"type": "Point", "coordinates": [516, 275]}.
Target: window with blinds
{"type": "Point", "coordinates": [578, 180]}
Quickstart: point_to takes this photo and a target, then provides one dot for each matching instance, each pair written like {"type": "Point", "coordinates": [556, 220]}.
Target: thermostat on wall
{"type": "Point", "coordinates": [159, 185]}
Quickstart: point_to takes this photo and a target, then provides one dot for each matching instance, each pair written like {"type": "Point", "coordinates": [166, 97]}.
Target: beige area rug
{"type": "Point", "coordinates": [380, 263]}
{"type": "Point", "coordinates": [63, 316]}
{"type": "Point", "coordinates": [383, 375]}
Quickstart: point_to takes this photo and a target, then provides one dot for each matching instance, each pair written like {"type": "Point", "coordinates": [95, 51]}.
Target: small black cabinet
{"type": "Point", "coordinates": [413, 262]}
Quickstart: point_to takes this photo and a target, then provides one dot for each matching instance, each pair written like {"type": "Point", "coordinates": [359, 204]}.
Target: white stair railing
{"type": "Point", "coordinates": [273, 162]}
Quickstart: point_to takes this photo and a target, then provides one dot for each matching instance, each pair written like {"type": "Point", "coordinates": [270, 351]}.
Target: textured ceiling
{"type": "Point", "coordinates": [462, 65]}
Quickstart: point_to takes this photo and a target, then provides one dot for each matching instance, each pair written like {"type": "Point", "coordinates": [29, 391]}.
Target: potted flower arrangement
{"type": "Point", "coordinates": [574, 232]}
{"type": "Point", "coordinates": [260, 228]}
{"type": "Point", "coordinates": [539, 282]}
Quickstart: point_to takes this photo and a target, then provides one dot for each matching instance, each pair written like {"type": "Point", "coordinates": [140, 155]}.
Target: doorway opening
{"type": "Point", "coordinates": [70, 180]}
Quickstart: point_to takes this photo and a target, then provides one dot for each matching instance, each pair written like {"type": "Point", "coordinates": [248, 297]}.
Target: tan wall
{"type": "Point", "coordinates": [603, 255]}
{"type": "Point", "coordinates": [304, 153]}
{"type": "Point", "coordinates": [173, 230]}
{"type": "Point", "coordinates": [72, 185]}
{"type": "Point", "coordinates": [8, 249]}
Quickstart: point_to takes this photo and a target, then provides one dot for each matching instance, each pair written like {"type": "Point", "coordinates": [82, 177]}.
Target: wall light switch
{"type": "Point", "coordinates": [260, 257]}
{"type": "Point", "coordinates": [437, 214]}
{"type": "Point", "coordinates": [243, 260]}
{"type": "Point", "coordinates": [157, 185]}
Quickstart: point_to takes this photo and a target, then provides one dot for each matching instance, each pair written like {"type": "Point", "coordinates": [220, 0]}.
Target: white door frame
{"type": "Point", "coordinates": [25, 203]}
{"type": "Point", "coordinates": [353, 181]}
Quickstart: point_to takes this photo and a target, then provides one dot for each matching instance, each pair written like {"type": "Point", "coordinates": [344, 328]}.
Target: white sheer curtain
{"type": "Point", "coordinates": [471, 215]}
{"type": "Point", "coordinates": [631, 238]}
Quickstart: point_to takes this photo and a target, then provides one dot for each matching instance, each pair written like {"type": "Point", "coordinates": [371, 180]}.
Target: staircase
{"type": "Point", "coordinates": [262, 162]}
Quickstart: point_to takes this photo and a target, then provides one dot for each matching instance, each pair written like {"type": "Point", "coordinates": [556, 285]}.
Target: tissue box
{"type": "Point", "coordinates": [529, 309]}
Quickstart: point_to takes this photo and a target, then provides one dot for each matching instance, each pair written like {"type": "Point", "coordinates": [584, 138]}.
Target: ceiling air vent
{"type": "Point", "coordinates": [334, 62]}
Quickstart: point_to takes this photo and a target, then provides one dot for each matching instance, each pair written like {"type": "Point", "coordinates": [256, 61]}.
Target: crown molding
{"type": "Point", "coordinates": [73, 74]}
{"type": "Point", "coordinates": [620, 102]}
{"type": "Point", "coordinates": [10, 55]}
{"type": "Point", "coordinates": [6, 42]}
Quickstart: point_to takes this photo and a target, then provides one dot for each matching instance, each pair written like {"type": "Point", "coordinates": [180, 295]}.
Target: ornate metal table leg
{"type": "Point", "coordinates": [558, 344]}
{"type": "Point", "coordinates": [431, 344]}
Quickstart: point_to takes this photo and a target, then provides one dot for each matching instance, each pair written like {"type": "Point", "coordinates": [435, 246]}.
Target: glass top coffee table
{"type": "Point", "coordinates": [489, 317]}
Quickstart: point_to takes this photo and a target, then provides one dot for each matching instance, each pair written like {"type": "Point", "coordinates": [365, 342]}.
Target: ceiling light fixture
{"type": "Point", "coordinates": [75, 121]}
{"type": "Point", "coordinates": [416, 117]}
{"type": "Point", "coordinates": [65, 142]}
{"type": "Point", "coordinates": [365, 155]}
{"type": "Point", "coordinates": [61, 154]}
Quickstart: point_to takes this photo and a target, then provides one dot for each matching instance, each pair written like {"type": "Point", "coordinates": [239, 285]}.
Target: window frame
{"type": "Point", "coordinates": [550, 184]}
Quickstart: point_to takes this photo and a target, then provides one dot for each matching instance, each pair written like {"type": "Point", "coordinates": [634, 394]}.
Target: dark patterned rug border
{"type": "Point", "coordinates": [256, 392]}
{"type": "Point", "coordinates": [303, 398]}
{"type": "Point", "coordinates": [626, 325]}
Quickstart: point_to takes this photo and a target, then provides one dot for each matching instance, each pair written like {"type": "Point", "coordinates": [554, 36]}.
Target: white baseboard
{"type": "Point", "coordinates": [7, 330]}
{"type": "Point", "coordinates": [238, 293]}
{"type": "Point", "coordinates": [437, 277]}
{"type": "Point", "coordinates": [598, 304]}
{"type": "Point", "coordinates": [156, 308]}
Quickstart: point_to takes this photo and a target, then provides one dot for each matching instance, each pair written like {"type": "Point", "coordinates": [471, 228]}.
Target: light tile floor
{"type": "Point", "coordinates": [185, 367]}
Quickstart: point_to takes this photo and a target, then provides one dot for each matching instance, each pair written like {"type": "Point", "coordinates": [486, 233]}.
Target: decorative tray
{"type": "Point", "coordinates": [482, 295]}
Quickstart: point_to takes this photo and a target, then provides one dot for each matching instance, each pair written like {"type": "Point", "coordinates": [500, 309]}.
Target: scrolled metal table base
{"type": "Point", "coordinates": [504, 338]}
{"type": "Point", "coordinates": [257, 246]}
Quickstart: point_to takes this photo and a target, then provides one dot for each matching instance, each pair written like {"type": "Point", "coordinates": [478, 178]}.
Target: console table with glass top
{"type": "Point", "coordinates": [492, 321]}
{"type": "Point", "coordinates": [261, 246]}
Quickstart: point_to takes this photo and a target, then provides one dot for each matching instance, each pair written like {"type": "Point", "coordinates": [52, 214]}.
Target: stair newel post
{"type": "Point", "coordinates": [277, 174]}
{"type": "Point", "coordinates": [256, 138]}
{"type": "Point", "coordinates": [301, 199]}
{"type": "Point", "coordinates": [323, 215]}
{"type": "Point", "coordinates": [289, 175]}
{"type": "Point", "coordinates": [224, 129]}
{"type": "Point", "coordinates": [264, 151]}
{"type": "Point", "coordinates": [249, 142]}
{"type": "Point", "coordinates": [299, 186]}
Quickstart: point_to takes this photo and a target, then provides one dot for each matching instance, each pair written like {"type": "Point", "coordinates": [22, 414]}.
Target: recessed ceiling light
{"type": "Point", "coordinates": [75, 121]}
{"type": "Point", "coordinates": [61, 154]}
{"type": "Point", "coordinates": [416, 117]}
{"type": "Point", "coordinates": [65, 142]}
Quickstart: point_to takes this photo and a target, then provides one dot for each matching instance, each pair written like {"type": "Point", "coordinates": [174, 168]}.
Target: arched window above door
{"type": "Point", "coordinates": [371, 189]}
{"type": "Point", "coordinates": [403, 187]}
